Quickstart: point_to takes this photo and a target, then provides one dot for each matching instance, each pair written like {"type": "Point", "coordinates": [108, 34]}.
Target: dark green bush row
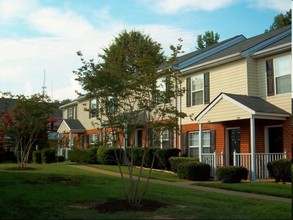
{"type": "Point", "coordinates": [110, 155]}
{"type": "Point", "coordinates": [83, 155]}
{"type": "Point", "coordinates": [280, 170]}
{"type": "Point", "coordinates": [175, 161]}
{"type": "Point", "coordinates": [46, 155]}
{"type": "Point", "coordinates": [163, 156]}
{"type": "Point", "coordinates": [232, 174]}
{"type": "Point", "coordinates": [193, 171]}
{"type": "Point", "coordinates": [135, 155]}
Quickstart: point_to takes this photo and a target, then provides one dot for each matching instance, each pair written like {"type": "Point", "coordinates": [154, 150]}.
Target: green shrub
{"type": "Point", "coordinates": [79, 156]}
{"type": "Point", "coordinates": [106, 155]}
{"type": "Point", "coordinates": [193, 171]}
{"type": "Point", "coordinates": [135, 154]}
{"type": "Point", "coordinates": [60, 158]}
{"type": "Point", "coordinates": [48, 155]}
{"type": "Point", "coordinates": [163, 156]}
{"type": "Point", "coordinates": [232, 174]}
{"type": "Point", "coordinates": [92, 151]}
{"type": "Point", "coordinates": [175, 161]}
{"type": "Point", "coordinates": [280, 170]}
{"type": "Point", "coordinates": [37, 156]}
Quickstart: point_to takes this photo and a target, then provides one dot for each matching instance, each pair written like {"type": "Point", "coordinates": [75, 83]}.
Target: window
{"type": "Point", "coordinates": [197, 90]}
{"type": "Point", "coordinates": [93, 139]}
{"type": "Point", "coordinates": [207, 140]}
{"type": "Point", "coordinates": [165, 139]}
{"type": "Point", "coordinates": [71, 113]}
{"type": "Point", "coordinates": [161, 138]}
{"type": "Point", "coordinates": [93, 108]}
{"type": "Point", "coordinates": [162, 88]}
{"type": "Point", "coordinates": [278, 75]}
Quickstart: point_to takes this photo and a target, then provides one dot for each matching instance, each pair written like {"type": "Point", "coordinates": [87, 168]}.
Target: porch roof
{"type": "Point", "coordinates": [71, 125]}
{"type": "Point", "coordinates": [228, 107]}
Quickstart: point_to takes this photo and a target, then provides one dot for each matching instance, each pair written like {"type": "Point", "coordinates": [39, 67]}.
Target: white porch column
{"type": "Point", "coordinates": [200, 142]}
{"type": "Point", "coordinates": [253, 153]}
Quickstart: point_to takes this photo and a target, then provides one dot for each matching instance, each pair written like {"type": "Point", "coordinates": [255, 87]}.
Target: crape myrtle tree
{"type": "Point", "coordinates": [25, 123]}
{"type": "Point", "coordinates": [133, 85]}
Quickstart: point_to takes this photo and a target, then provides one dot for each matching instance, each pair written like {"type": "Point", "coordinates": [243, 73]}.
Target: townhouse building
{"type": "Point", "coordinates": [238, 98]}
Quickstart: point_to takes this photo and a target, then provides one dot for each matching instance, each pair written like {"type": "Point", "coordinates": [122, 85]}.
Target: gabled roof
{"type": "Point", "coordinates": [252, 106]}
{"type": "Point", "coordinates": [238, 46]}
{"type": "Point", "coordinates": [71, 125]}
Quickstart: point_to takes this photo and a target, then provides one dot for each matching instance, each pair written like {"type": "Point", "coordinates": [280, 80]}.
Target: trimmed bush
{"type": "Point", "coordinates": [92, 153]}
{"type": "Point", "coordinates": [79, 156]}
{"type": "Point", "coordinates": [106, 155]}
{"type": "Point", "coordinates": [60, 158]}
{"type": "Point", "coordinates": [163, 156]}
{"type": "Point", "coordinates": [232, 174]}
{"type": "Point", "coordinates": [37, 156]}
{"type": "Point", "coordinates": [175, 161]}
{"type": "Point", "coordinates": [48, 155]}
{"type": "Point", "coordinates": [280, 170]}
{"type": "Point", "coordinates": [136, 154]}
{"type": "Point", "coordinates": [193, 171]}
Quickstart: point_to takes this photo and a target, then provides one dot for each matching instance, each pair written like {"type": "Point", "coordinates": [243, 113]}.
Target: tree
{"type": "Point", "coordinates": [126, 86]}
{"type": "Point", "coordinates": [25, 122]}
{"type": "Point", "coordinates": [281, 20]}
{"type": "Point", "coordinates": [208, 39]}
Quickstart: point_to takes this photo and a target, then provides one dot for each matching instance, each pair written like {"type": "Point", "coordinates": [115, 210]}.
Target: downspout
{"type": "Point", "coordinates": [253, 153]}
{"type": "Point", "coordinates": [200, 142]}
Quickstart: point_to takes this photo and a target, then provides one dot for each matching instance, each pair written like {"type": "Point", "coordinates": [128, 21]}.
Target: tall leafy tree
{"type": "Point", "coordinates": [25, 122]}
{"type": "Point", "coordinates": [281, 20]}
{"type": "Point", "coordinates": [207, 39]}
{"type": "Point", "coordinates": [125, 83]}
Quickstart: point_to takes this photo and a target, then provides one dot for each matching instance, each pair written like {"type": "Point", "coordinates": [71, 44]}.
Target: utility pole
{"type": "Point", "coordinates": [44, 83]}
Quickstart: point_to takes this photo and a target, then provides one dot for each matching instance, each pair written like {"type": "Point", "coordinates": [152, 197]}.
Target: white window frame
{"type": "Point", "coordinates": [286, 61]}
{"type": "Point", "coordinates": [204, 135]}
{"type": "Point", "coordinates": [195, 89]}
{"type": "Point", "coordinates": [93, 105]}
{"type": "Point", "coordinates": [93, 138]}
{"type": "Point", "coordinates": [70, 113]}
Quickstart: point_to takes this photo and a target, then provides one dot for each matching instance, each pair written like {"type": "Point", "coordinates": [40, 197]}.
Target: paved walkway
{"type": "Point", "coordinates": [188, 184]}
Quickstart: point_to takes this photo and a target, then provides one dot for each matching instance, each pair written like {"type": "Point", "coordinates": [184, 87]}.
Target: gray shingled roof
{"type": "Point", "coordinates": [240, 47]}
{"type": "Point", "coordinates": [74, 124]}
{"type": "Point", "coordinates": [257, 104]}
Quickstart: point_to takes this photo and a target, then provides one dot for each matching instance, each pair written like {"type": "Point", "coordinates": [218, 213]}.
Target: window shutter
{"type": "Point", "coordinates": [206, 88]}
{"type": "Point", "coordinates": [270, 77]}
{"type": "Point", "coordinates": [213, 140]}
{"type": "Point", "coordinates": [188, 92]}
{"type": "Point", "coordinates": [184, 143]}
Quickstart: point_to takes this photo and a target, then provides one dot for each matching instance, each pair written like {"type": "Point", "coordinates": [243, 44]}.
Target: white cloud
{"type": "Point", "coordinates": [10, 9]}
{"type": "Point", "coordinates": [276, 5]}
{"type": "Point", "coordinates": [180, 6]}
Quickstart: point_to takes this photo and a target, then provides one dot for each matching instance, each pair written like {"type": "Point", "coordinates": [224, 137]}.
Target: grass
{"type": "Point", "coordinates": [155, 174]}
{"type": "Point", "coordinates": [265, 188]}
{"type": "Point", "coordinates": [57, 191]}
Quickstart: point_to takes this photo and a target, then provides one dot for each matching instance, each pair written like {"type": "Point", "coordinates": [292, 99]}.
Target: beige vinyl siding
{"type": "Point", "coordinates": [83, 115]}
{"type": "Point", "coordinates": [229, 78]}
{"type": "Point", "coordinates": [252, 77]}
{"type": "Point", "coordinates": [282, 100]}
{"type": "Point", "coordinates": [225, 111]}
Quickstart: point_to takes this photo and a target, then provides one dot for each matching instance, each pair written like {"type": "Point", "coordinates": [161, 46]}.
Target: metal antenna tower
{"type": "Point", "coordinates": [44, 83]}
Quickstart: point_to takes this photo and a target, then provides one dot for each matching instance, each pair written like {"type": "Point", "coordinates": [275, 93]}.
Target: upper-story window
{"type": "Point", "coordinates": [71, 112]}
{"type": "Point", "coordinates": [197, 90]}
{"type": "Point", "coordinates": [278, 75]}
{"type": "Point", "coordinates": [93, 108]}
{"type": "Point", "coordinates": [162, 85]}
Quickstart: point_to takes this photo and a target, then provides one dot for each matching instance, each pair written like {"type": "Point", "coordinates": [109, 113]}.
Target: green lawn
{"type": "Point", "coordinates": [57, 191]}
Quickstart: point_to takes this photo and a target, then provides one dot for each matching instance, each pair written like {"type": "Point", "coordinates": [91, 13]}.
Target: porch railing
{"type": "Point", "coordinates": [243, 159]}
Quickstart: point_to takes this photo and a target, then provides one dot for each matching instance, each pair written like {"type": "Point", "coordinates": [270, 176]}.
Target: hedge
{"type": "Point", "coordinates": [232, 174]}
{"type": "Point", "coordinates": [106, 155]}
{"type": "Point", "coordinates": [194, 171]}
{"type": "Point", "coordinates": [78, 156]}
{"type": "Point", "coordinates": [48, 155]}
{"type": "Point", "coordinates": [163, 156]}
{"type": "Point", "coordinates": [175, 161]}
{"type": "Point", "coordinates": [37, 156]}
{"type": "Point", "coordinates": [280, 170]}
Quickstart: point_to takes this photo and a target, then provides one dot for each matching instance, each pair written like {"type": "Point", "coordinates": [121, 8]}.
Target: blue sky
{"type": "Point", "coordinates": [38, 36]}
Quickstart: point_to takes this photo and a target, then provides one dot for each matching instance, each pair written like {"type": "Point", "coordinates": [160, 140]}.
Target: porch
{"type": "Point", "coordinates": [243, 159]}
